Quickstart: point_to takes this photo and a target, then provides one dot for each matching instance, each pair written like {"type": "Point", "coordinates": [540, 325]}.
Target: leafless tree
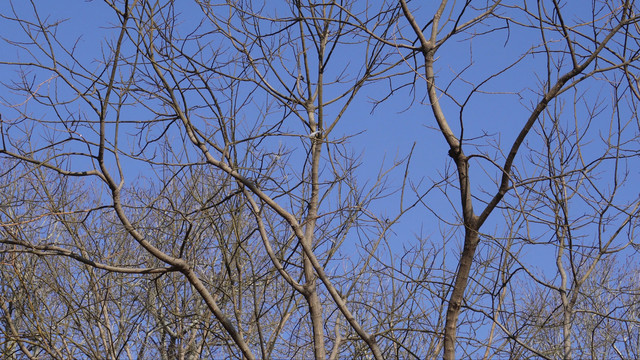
{"type": "Point", "coordinates": [548, 175]}
{"type": "Point", "coordinates": [183, 180]}
{"type": "Point", "coordinates": [204, 158]}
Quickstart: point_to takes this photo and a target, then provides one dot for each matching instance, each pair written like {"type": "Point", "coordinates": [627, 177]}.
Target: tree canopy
{"type": "Point", "coordinates": [303, 179]}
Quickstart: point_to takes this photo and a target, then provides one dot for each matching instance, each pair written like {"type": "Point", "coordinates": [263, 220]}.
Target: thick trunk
{"type": "Point", "coordinates": [315, 311]}
{"type": "Point", "coordinates": [471, 240]}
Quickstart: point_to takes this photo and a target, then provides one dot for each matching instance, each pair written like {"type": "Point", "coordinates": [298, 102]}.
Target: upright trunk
{"type": "Point", "coordinates": [315, 310]}
{"type": "Point", "coordinates": [471, 241]}
{"type": "Point", "coordinates": [311, 292]}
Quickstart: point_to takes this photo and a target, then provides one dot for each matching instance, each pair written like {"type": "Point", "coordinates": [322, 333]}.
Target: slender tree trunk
{"type": "Point", "coordinates": [311, 292]}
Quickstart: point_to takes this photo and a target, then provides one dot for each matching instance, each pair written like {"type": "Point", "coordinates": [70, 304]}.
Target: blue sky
{"type": "Point", "coordinates": [389, 132]}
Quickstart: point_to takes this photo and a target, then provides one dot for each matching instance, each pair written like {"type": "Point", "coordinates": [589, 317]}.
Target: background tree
{"type": "Point", "coordinates": [200, 148]}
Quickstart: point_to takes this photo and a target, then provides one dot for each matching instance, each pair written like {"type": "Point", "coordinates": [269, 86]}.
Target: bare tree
{"type": "Point", "coordinates": [558, 185]}
{"type": "Point", "coordinates": [183, 181]}
{"type": "Point", "coordinates": [208, 149]}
